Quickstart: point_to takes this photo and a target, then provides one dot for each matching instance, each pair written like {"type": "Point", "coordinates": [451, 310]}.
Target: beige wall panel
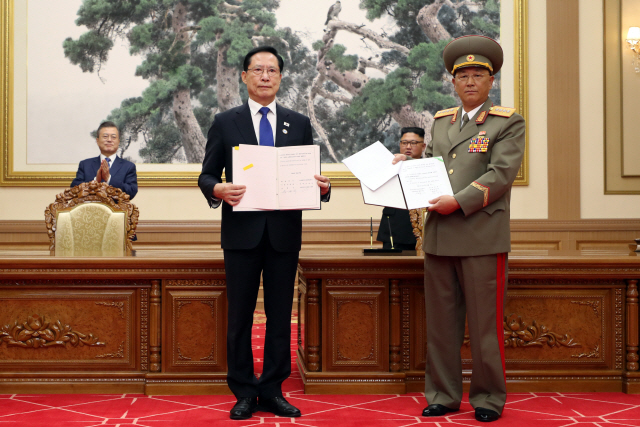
{"type": "Point", "coordinates": [188, 204]}
{"type": "Point", "coordinates": [563, 113]}
{"type": "Point", "coordinates": [630, 95]}
{"type": "Point", "coordinates": [593, 152]}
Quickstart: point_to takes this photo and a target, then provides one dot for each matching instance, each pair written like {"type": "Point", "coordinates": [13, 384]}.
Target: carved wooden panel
{"type": "Point", "coordinates": [553, 324]}
{"type": "Point", "coordinates": [69, 328]}
{"type": "Point", "coordinates": [356, 325]}
{"type": "Point", "coordinates": [549, 324]}
{"type": "Point", "coordinates": [196, 335]}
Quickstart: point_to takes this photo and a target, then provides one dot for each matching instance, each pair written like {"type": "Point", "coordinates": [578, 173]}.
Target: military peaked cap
{"type": "Point", "coordinates": [473, 51]}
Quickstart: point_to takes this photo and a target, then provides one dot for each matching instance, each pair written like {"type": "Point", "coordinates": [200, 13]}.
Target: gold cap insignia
{"type": "Point", "coordinates": [470, 58]}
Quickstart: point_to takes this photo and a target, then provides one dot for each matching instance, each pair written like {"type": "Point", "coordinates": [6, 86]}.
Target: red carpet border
{"type": "Point", "coordinates": [523, 409]}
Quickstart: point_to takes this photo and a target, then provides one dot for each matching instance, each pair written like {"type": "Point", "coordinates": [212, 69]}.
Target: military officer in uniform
{"type": "Point", "coordinates": [467, 235]}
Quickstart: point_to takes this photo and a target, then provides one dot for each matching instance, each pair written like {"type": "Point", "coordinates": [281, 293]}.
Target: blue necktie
{"type": "Point", "coordinates": [266, 133]}
{"type": "Point", "coordinates": [108, 162]}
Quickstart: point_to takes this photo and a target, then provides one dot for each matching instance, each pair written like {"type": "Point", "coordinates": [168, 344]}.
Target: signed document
{"type": "Point", "coordinates": [417, 182]}
{"type": "Point", "coordinates": [277, 178]}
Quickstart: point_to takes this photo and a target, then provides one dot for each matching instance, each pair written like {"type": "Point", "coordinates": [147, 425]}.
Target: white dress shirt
{"type": "Point", "coordinates": [471, 113]}
{"type": "Point", "coordinates": [256, 116]}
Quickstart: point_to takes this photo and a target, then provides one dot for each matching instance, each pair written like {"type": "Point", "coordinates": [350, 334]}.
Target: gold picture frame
{"type": "Point", "coordinates": [13, 176]}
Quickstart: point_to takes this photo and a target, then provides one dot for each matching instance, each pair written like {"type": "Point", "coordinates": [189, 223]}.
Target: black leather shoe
{"type": "Point", "coordinates": [486, 415]}
{"type": "Point", "coordinates": [436, 410]}
{"type": "Point", "coordinates": [244, 408]}
{"type": "Point", "coordinates": [279, 406]}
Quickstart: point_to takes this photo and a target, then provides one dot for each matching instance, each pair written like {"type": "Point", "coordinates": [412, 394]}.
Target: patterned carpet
{"type": "Point", "coordinates": [523, 409]}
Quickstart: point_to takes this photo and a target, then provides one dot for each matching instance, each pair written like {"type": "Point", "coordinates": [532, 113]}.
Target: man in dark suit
{"type": "Point", "coordinates": [396, 223]}
{"type": "Point", "coordinates": [108, 166]}
{"type": "Point", "coordinates": [255, 243]}
{"type": "Point", "coordinates": [467, 235]}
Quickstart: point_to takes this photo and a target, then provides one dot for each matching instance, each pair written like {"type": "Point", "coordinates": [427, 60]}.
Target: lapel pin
{"type": "Point", "coordinates": [286, 124]}
{"type": "Point", "coordinates": [284, 131]}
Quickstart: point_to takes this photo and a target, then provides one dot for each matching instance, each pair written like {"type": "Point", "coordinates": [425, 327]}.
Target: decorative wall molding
{"type": "Point", "coordinates": [525, 234]}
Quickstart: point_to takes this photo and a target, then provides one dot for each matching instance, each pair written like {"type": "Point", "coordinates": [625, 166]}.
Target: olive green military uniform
{"type": "Point", "coordinates": [465, 254]}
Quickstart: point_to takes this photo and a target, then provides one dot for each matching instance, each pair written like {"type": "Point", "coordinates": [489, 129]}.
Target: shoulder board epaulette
{"type": "Point", "coordinates": [501, 111]}
{"type": "Point", "coordinates": [447, 112]}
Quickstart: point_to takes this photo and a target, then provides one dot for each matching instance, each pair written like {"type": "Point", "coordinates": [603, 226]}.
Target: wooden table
{"type": "Point", "coordinates": [155, 323]}
{"type": "Point", "coordinates": [571, 322]}
{"type": "Point", "coordinates": [152, 323]}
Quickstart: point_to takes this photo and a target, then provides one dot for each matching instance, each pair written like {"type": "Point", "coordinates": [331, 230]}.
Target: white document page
{"type": "Point", "coordinates": [389, 194]}
{"type": "Point", "coordinates": [255, 167]}
{"type": "Point", "coordinates": [372, 165]}
{"type": "Point", "coordinates": [297, 188]}
{"type": "Point", "coordinates": [423, 180]}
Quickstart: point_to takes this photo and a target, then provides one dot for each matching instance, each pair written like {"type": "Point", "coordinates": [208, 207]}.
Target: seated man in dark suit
{"type": "Point", "coordinates": [396, 222]}
{"type": "Point", "coordinates": [108, 167]}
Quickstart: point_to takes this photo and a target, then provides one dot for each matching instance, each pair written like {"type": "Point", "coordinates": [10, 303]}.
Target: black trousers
{"type": "Point", "coordinates": [243, 269]}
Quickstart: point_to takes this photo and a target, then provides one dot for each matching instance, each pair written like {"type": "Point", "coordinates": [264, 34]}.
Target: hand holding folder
{"type": "Point", "coordinates": [277, 178]}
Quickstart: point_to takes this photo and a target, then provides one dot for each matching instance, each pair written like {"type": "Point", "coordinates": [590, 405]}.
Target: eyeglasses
{"type": "Point", "coordinates": [465, 77]}
{"type": "Point", "coordinates": [258, 71]}
{"type": "Point", "coordinates": [413, 143]}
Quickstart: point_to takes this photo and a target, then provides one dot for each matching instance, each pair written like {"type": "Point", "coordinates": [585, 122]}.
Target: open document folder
{"type": "Point", "coordinates": [417, 182]}
{"type": "Point", "coordinates": [277, 177]}
{"type": "Point", "coordinates": [405, 185]}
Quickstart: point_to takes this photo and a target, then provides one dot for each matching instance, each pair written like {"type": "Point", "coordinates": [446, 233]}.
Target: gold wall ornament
{"type": "Point", "coordinates": [38, 332]}
{"type": "Point", "coordinates": [633, 41]}
{"type": "Point", "coordinates": [518, 334]}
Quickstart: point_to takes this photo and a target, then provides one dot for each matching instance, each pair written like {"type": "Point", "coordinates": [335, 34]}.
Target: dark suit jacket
{"type": "Point", "coordinates": [123, 174]}
{"type": "Point", "coordinates": [400, 227]}
{"type": "Point", "coordinates": [243, 230]}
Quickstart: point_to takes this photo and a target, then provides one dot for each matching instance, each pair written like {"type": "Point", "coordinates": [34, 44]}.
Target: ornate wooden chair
{"type": "Point", "coordinates": [418, 217]}
{"type": "Point", "coordinates": [91, 219]}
